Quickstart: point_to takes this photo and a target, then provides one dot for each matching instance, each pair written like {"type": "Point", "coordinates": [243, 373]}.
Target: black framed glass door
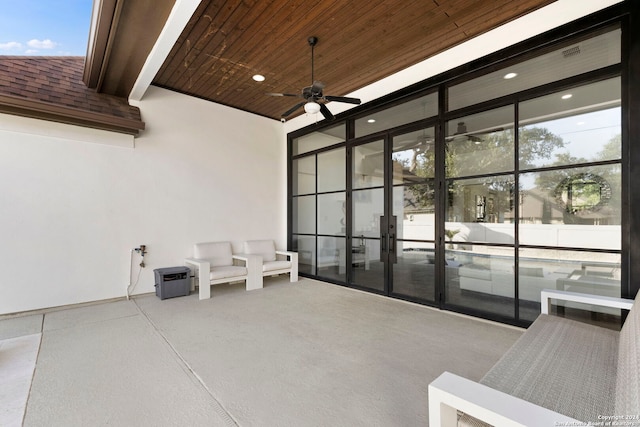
{"type": "Point", "coordinates": [369, 209]}
{"type": "Point", "coordinates": [392, 215]}
{"type": "Point", "coordinates": [413, 205]}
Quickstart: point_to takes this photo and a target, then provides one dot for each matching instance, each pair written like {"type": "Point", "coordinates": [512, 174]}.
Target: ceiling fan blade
{"type": "Point", "coordinates": [294, 108]}
{"type": "Point", "coordinates": [343, 99]}
{"type": "Point", "coordinates": [326, 113]}
{"type": "Point", "coordinates": [283, 94]}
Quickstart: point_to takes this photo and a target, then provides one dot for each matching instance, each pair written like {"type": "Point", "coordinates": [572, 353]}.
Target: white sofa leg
{"type": "Point", "coordinates": [203, 272]}
{"type": "Point", "coordinates": [254, 270]}
{"type": "Point", "coordinates": [440, 414]}
{"type": "Point", "coordinates": [294, 267]}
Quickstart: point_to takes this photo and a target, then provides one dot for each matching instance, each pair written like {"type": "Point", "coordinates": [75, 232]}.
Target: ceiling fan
{"type": "Point", "coordinates": [313, 94]}
{"type": "Point", "coordinates": [461, 134]}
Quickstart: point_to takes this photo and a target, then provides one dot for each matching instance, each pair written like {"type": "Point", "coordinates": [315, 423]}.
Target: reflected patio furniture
{"type": "Point", "coordinates": [500, 280]}
{"type": "Point", "coordinates": [213, 263]}
{"type": "Point", "coordinates": [581, 281]}
{"type": "Point", "coordinates": [359, 255]}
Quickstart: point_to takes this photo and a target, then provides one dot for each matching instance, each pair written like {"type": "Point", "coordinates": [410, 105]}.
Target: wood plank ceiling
{"type": "Point", "coordinates": [226, 42]}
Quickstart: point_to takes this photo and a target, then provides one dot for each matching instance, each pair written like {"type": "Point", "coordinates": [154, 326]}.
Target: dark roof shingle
{"type": "Point", "coordinates": [38, 86]}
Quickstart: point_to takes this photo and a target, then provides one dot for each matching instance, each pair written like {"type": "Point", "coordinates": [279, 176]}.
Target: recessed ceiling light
{"type": "Point", "coordinates": [371, 121]}
{"type": "Point", "coordinates": [567, 96]}
{"type": "Point", "coordinates": [510, 75]}
{"type": "Point", "coordinates": [258, 78]}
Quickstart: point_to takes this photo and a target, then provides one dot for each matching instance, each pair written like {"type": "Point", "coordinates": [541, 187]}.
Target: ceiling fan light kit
{"type": "Point", "coordinates": [314, 98]}
{"type": "Point", "coordinates": [312, 107]}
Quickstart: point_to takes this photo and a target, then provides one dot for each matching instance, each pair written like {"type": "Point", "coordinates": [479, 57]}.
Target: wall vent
{"type": "Point", "coordinates": [572, 51]}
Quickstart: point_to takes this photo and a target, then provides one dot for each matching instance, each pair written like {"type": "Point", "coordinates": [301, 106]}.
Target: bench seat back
{"type": "Point", "coordinates": [628, 372]}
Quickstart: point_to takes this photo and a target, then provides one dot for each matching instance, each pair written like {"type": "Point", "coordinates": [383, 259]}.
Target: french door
{"type": "Point", "coordinates": [392, 215]}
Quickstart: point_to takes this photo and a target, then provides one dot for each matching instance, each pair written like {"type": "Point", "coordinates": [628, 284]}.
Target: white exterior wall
{"type": "Point", "coordinates": [73, 205]}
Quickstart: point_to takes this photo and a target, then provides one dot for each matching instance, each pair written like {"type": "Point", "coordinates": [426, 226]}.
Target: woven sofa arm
{"type": "Point", "coordinates": [546, 295]}
{"type": "Point", "coordinates": [450, 393]}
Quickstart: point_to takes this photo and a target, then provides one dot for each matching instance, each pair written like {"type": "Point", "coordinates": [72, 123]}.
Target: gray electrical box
{"type": "Point", "coordinates": [172, 282]}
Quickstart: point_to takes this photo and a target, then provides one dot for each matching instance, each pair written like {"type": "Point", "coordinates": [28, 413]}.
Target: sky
{"type": "Point", "coordinates": [44, 27]}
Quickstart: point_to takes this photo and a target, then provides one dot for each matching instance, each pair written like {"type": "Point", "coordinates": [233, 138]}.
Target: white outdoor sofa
{"type": "Point", "coordinates": [273, 262]}
{"type": "Point", "coordinates": [215, 263]}
{"type": "Point", "coordinates": [559, 372]}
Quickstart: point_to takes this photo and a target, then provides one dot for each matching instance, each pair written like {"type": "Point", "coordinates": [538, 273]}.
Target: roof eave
{"type": "Point", "coordinates": [47, 111]}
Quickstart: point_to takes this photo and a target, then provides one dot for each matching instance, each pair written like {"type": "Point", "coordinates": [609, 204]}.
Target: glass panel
{"type": "Point", "coordinates": [407, 112]}
{"type": "Point", "coordinates": [332, 262]}
{"type": "Point", "coordinates": [320, 139]}
{"type": "Point", "coordinates": [367, 270]}
{"type": "Point", "coordinates": [414, 207]}
{"type": "Point", "coordinates": [304, 214]}
{"type": "Point", "coordinates": [587, 272]}
{"type": "Point", "coordinates": [481, 143]}
{"type": "Point", "coordinates": [368, 165]}
{"type": "Point", "coordinates": [414, 273]}
{"type": "Point", "coordinates": [331, 214]}
{"type": "Point", "coordinates": [563, 130]}
{"type": "Point", "coordinates": [481, 278]}
{"type": "Point", "coordinates": [568, 60]}
{"type": "Point", "coordinates": [578, 207]}
{"type": "Point", "coordinates": [480, 210]}
{"type": "Point", "coordinates": [413, 156]}
{"type": "Point", "coordinates": [368, 207]}
{"type": "Point", "coordinates": [305, 246]}
{"type": "Point", "coordinates": [304, 175]}
{"type": "Point", "coordinates": [332, 174]}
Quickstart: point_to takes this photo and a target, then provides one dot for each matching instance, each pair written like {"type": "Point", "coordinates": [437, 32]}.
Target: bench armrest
{"type": "Point", "coordinates": [548, 294]}
{"type": "Point", "coordinates": [242, 257]}
{"type": "Point", "coordinates": [450, 393]}
{"type": "Point", "coordinates": [202, 274]}
{"type": "Point", "coordinates": [196, 262]}
{"type": "Point", "coordinates": [287, 254]}
{"type": "Point", "coordinates": [293, 258]}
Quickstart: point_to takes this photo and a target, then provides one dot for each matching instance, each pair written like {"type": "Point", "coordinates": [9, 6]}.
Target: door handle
{"type": "Point", "coordinates": [383, 246]}
{"type": "Point", "coordinates": [393, 257]}
{"type": "Point", "coordinates": [383, 238]}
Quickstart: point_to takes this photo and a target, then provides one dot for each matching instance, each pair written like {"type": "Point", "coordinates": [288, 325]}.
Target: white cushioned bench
{"type": "Point", "coordinates": [273, 262]}
{"type": "Point", "coordinates": [559, 371]}
{"type": "Point", "coordinates": [214, 263]}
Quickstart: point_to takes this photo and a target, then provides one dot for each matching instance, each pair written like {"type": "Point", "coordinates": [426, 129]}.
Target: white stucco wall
{"type": "Point", "coordinates": [74, 202]}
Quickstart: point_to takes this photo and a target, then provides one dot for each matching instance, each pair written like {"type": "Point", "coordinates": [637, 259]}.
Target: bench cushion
{"type": "Point", "coordinates": [265, 248]}
{"type": "Point", "coordinates": [217, 253]}
{"type": "Point", "coordinates": [275, 265]}
{"type": "Point", "coordinates": [559, 364]}
{"type": "Point", "coordinates": [225, 272]}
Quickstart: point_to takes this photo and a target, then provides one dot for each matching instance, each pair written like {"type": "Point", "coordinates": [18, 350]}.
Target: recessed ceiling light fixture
{"type": "Point", "coordinates": [567, 96]}
{"type": "Point", "coordinates": [510, 75]}
{"type": "Point", "coordinates": [258, 77]}
{"type": "Point", "coordinates": [371, 121]}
